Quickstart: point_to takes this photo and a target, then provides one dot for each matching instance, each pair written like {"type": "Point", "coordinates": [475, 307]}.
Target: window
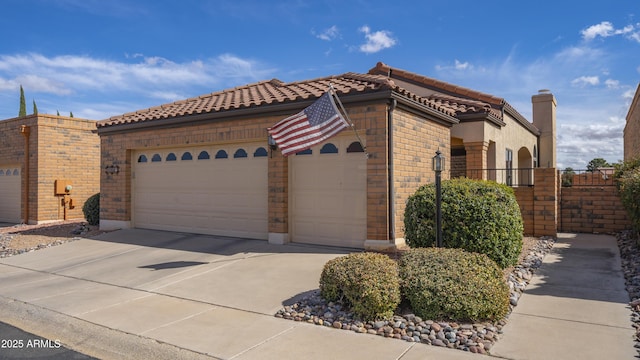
{"type": "Point", "coordinates": [509, 166]}
{"type": "Point", "coordinates": [171, 157]}
{"type": "Point", "coordinates": [203, 155]}
{"type": "Point", "coordinates": [240, 153]}
{"type": "Point", "coordinates": [16, 172]}
{"type": "Point", "coordinates": [156, 158]}
{"type": "Point", "coordinates": [221, 154]}
{"type": "Point", "coordinates": [1, 172]}
{"type": "Point", "coordinates": [304, 152]}
{"type": "Point", "coordinates": [355, 147]}
{"type": "Point", "coordinates": [260, 152]}
{"type": "Point", "coordinates": [329, 148]}
{"type": "Point", "coordinates": [142, 159]}
{"type": "Point", "coordinates": [186, 156]}
{"type": "Point", "coordinates": [535, 156]}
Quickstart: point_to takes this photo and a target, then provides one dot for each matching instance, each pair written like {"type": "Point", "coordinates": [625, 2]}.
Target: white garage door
{"type": "Point", "coordinates": [328, 203]}
{"type": "Point", "coordinates": [10, 193]}
{"type": "Point", "coordinates": [219, 190]}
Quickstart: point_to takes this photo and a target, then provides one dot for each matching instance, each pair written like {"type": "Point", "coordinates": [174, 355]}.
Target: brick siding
{"type": "Point", "coordinates": [59, 148]}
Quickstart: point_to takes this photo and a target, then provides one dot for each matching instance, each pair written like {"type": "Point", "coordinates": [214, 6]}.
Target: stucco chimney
{"type": "Point", "coordinates": [544, 118]}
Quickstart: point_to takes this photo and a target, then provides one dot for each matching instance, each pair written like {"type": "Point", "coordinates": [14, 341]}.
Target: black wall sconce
{"type": "Point", "coordinates": [111, 169]}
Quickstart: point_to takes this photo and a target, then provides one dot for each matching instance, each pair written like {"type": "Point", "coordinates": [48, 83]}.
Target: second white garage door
{"type": "Point", "coordinates": [328, 195]}
{"type": "Point", "coordinates": [10, 194]}
{"type": "Point", "coordinates": [219, 190]}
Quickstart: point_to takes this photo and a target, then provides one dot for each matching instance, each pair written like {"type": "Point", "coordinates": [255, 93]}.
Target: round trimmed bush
{"type": "Point", "coordinates": [454, 285]}
{"type": "Point", "coordinates": [91, 209]}
{"type": "Point", "coordinates": [367, 282]}
{"type": "Point", "coordinates": [478, 216]}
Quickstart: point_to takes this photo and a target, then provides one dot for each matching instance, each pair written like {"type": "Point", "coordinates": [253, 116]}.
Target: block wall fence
{"type": "Point", "coordinates": [548, 208]}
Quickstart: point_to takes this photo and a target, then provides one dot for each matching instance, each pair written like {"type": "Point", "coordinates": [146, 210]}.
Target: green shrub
{"type": "Point", "coordinates": [452, 284]}
{"type": "Point", "coordinates": [478, 216]}
{"type": "Point", "coordinates": [367, 282]}
{"type": "Point", "coordinates": [91, 209]}
{"type": "Point", "coordinates": [629, 186]}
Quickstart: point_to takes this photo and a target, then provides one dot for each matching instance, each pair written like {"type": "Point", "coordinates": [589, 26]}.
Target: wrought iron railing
{"type": "Point", "coordinates": [511, 177]}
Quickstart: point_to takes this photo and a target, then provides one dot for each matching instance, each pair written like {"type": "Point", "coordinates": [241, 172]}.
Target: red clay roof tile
{"type": "Point", "coordinates": [270, 92]}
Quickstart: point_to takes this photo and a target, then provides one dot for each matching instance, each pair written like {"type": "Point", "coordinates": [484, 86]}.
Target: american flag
{"type": "Point", "coordinates": [313, 125]}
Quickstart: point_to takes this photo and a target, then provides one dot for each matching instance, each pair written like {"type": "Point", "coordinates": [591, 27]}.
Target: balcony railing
{"type": "Point", "coordinates": [510, 177]}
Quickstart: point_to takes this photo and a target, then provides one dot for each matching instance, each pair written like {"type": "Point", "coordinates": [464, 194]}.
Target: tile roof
{"type": "Point", "coordinates": [273, 92]}
{"type": "Point", "coordinates": [463, 101]}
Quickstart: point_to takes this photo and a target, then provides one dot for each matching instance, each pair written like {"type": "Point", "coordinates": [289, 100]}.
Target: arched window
{"type": "Point", "coordinates": [142, 158]}
{"type": "Point", "coordinates": [1, 172]}
{"type": "Point", "coordinates": [221, 154]}
{"type": "Point", "coordinates": [329, 148]}
{"type": "Point", "coordinates": [171, 157]}
{"type": "Point", "coordinates": [305, 152]}
{"type": "Point", "coordinates": [260, 152]}
{"type": "Point", "coordinates": [156, 158]}
{"type": "Point", "coordinates": [240, 153]}
{"type": "Point", "coordinates": [186, 156]}
{"type": "Point", "coordinates": [16, 172]}
{"type": "Point", "coordinates": [203, 155]}
{"type": "Point", "coordinates": [355, 147]}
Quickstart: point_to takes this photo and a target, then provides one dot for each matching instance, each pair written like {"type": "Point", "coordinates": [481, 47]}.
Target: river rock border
{"type": "Point", "coordinates": [630, 260]}
{"type": "Point", "coordinates": [475, 337]}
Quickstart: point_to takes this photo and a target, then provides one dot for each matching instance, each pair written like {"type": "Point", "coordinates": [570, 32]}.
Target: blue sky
{"type": "Point", "coordinates": [100, 58]}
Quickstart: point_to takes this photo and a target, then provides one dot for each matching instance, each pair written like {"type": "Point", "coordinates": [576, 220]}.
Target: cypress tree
{"type": "Point", "coordinates": [57, 112]}
{"type": "Point", "coordinates": [35, 108]}
{"type": "Point", "coordinates": [71, 114]}
{"type": "Point", "coordinates": [23, 104]}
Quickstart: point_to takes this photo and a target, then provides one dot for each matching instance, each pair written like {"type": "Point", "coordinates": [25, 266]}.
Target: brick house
{"type": "Point", "coordinates": [632, 129]}
{"type": "Point", "coordinates": [204, 165]}
{"type": "Point", "coordinates": [60, 151]}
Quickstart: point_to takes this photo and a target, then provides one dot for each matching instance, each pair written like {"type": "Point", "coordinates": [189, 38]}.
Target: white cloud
{"type": "Point", "coordinates": [606, 29]}
{"type": "Point", "coordinates": [461, 66]}
{"type": "Point", "coordinates": [612, 84]}
{"type": "Point", "coordinates": [376, 41]}
{"type": "Point", "coordinates": [67, 78]}
{"type": "Point", "coordinates": [329, 34]}
{"type": "Point", "coordinates": [585, 80]}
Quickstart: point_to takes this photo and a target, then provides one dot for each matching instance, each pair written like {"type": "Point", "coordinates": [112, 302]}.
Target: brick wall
{"type": "Point", "coordinates": [68, 149]}
{"type": "Point", "coordinates": [592, 209]}
{"type": "Point", "coordinates": [415, 142]}
{"type": "Point", "coordinates": [632, 129]}
{"type": "Point", "coordinates": [524, 196]}
{"type": "Point", "coordinates": [59, 148]}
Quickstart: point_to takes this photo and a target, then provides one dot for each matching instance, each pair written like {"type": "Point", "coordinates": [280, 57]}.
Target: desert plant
{"type": "Point", "coordinates": [452, 284]}
{"type": "Point", "coordinates": [478, 216]}
{"type": "Point", "coordinates": [91, 209]}
{"type": "Point", "coordinates": [367, 282]}
{"type": "Point", "coordinates": [629, 187]}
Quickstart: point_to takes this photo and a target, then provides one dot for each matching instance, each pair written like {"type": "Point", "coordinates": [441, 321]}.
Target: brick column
{"type": "Point", "coordinates": [477, 159]}
{"type": "Point", "coordinates": [278, 198]}
{"type": "Point", "coordinates": [545, 202]}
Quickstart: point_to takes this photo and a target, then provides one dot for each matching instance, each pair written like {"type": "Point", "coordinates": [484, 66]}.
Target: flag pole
{"type": "Point", "coordinates": [344, 111]}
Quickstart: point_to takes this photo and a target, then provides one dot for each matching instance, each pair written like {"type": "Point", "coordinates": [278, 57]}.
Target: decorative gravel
{"type": "Point", "coordinates": [472, 337]}
{"type": "Point", "coordinates": [630, 259]}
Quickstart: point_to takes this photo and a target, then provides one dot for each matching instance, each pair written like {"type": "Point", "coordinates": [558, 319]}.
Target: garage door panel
{"type": "Point", "coordinates": [10, 193]}
{"type": "Point", "coordinates": [328, 196]}
{"type": "Point", "coordinates": [210, 196]}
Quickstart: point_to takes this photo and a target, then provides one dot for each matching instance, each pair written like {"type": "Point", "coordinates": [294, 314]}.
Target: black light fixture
{"type": "Point", "coordinates": [111, 169]}
{"type": "Point", "coordinates": [438, 167]}
{"type": "Point", "coordinates": [272, 143]}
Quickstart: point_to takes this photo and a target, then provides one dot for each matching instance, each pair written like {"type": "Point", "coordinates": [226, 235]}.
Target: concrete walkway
{"type": "Point", "coordinates": [160, 295]}
{"type": "Point", "coordinates": [576, 306]}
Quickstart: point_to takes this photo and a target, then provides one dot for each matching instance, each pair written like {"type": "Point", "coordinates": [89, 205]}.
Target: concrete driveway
{"type": "Point", "coordinates": [154, 294]}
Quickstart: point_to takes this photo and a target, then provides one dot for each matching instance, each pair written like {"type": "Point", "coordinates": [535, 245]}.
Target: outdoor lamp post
{"type": "Point", "coordinates": [438, 167]}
